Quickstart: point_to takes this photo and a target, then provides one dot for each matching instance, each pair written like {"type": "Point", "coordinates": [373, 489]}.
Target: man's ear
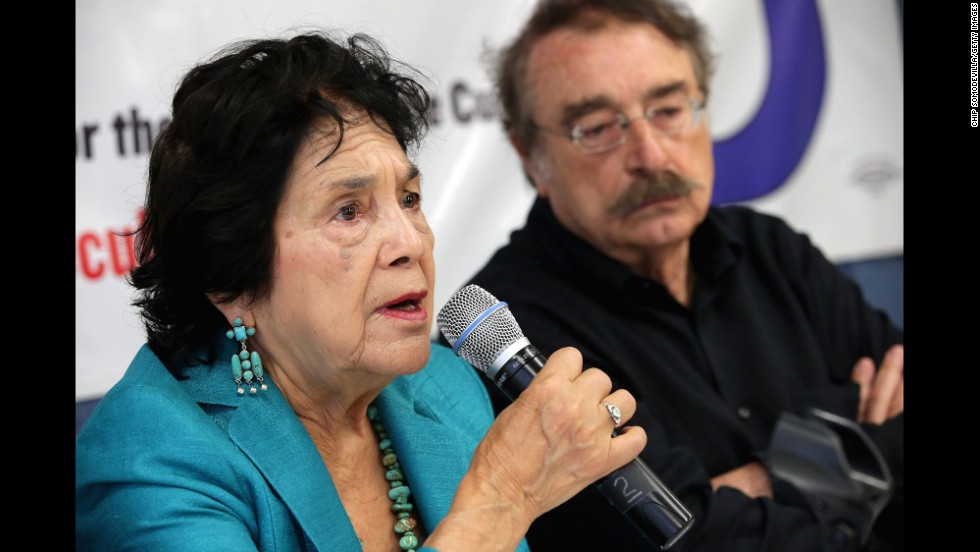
{"type": "Point", "coordinates": [517, 145]}
{"type": "Point", "coordinates": [530, 168]}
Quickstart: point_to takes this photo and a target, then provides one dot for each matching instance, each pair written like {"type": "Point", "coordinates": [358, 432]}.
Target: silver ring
{"type": "Point", "coordinates": [614, 413]}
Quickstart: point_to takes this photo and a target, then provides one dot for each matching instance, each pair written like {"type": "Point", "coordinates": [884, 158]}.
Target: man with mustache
{"type": "Point", "coordinates": [717, 319]}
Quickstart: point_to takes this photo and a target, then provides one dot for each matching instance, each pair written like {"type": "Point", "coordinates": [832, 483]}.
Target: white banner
{"type": "Point", "coordinates": [839, 178]}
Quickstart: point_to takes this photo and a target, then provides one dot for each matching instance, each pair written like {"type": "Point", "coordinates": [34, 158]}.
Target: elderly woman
{"type": "Point", "coordinates": [288, 396]}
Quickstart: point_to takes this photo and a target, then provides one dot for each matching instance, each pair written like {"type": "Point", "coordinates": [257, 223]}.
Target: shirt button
{"type": "Point", "coordinates": [743, 412]}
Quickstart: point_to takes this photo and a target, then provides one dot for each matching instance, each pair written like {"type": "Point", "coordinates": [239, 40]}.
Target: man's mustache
{"type": "Point", "coordinates": [653, 186]}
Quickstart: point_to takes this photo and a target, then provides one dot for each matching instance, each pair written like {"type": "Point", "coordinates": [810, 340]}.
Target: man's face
{"type": "Point", "coordinates": [617, 200]}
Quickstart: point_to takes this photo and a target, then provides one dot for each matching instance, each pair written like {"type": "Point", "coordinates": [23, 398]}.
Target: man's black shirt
{"type": "Point", "coordinates": [773, 327]}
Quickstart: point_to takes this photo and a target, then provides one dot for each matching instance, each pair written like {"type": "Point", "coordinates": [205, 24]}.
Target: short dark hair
{"type": "Point", "coordinates": [670, 18]}
{"type": "Point", "coordinates": [217, 172]}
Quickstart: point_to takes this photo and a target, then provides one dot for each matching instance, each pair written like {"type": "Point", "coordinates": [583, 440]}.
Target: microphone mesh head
{"type": "Point", "coordinates": [489, 338]}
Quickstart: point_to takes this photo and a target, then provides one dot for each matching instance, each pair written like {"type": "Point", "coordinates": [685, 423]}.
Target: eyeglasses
{"type": "Point", "coordinates": [599, 134]}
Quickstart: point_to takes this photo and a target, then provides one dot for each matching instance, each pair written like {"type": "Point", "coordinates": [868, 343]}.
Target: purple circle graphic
{"type": "Point", "coordinates": [761, 156]}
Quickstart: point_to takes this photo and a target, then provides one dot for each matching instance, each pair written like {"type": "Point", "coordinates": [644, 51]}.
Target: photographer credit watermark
{"type": "Point", "coordinates": [974, 51]}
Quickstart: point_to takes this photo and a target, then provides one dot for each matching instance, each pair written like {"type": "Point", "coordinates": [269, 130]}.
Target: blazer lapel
{"type": "Point", "coordinates": [433, 455]}
{"type": "Point", "coordinates": [269, 433]}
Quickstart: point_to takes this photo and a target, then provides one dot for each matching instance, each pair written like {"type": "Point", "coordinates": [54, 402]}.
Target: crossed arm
{"type": "Point", "coordinates": [882, 397]}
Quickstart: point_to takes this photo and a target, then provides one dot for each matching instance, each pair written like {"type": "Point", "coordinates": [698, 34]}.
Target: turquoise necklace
{"type": "Point", "coordinates": [399, 492]}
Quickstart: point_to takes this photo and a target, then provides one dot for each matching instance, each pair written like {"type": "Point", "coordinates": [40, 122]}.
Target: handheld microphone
{"type": "Point", "coordinates": [483, 332]}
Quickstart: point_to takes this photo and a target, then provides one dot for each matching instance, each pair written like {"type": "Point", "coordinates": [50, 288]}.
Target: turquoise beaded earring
{"type": "Point", "coordinates": [244, 365]}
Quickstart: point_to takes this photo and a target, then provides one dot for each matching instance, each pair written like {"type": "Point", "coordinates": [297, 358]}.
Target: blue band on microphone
{"type": "Point", "coordinates": [475, 323]}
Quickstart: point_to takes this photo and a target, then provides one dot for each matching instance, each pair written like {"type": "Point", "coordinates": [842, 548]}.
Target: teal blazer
{"type": "Point", "coordinates": [167, 464]}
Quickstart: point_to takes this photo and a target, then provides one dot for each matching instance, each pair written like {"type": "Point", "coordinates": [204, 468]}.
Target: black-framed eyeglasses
{"type": "Point", "coordinates": [598, 134]}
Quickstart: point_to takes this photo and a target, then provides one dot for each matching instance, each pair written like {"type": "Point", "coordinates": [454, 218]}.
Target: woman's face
{"type": "Point", "coordinates": [353, 274]}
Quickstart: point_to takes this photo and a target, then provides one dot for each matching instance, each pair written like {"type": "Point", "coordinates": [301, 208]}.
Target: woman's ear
{"type": "Point", "coordinates": [239, 307]}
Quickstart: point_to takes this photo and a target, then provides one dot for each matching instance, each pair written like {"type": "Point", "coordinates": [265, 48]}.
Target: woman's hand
{"type": "Point", "coordinates": [551, 443]}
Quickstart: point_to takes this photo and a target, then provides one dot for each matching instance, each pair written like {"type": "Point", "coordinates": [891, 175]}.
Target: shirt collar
{"type": "Point", "coordinates": [715, 249]}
